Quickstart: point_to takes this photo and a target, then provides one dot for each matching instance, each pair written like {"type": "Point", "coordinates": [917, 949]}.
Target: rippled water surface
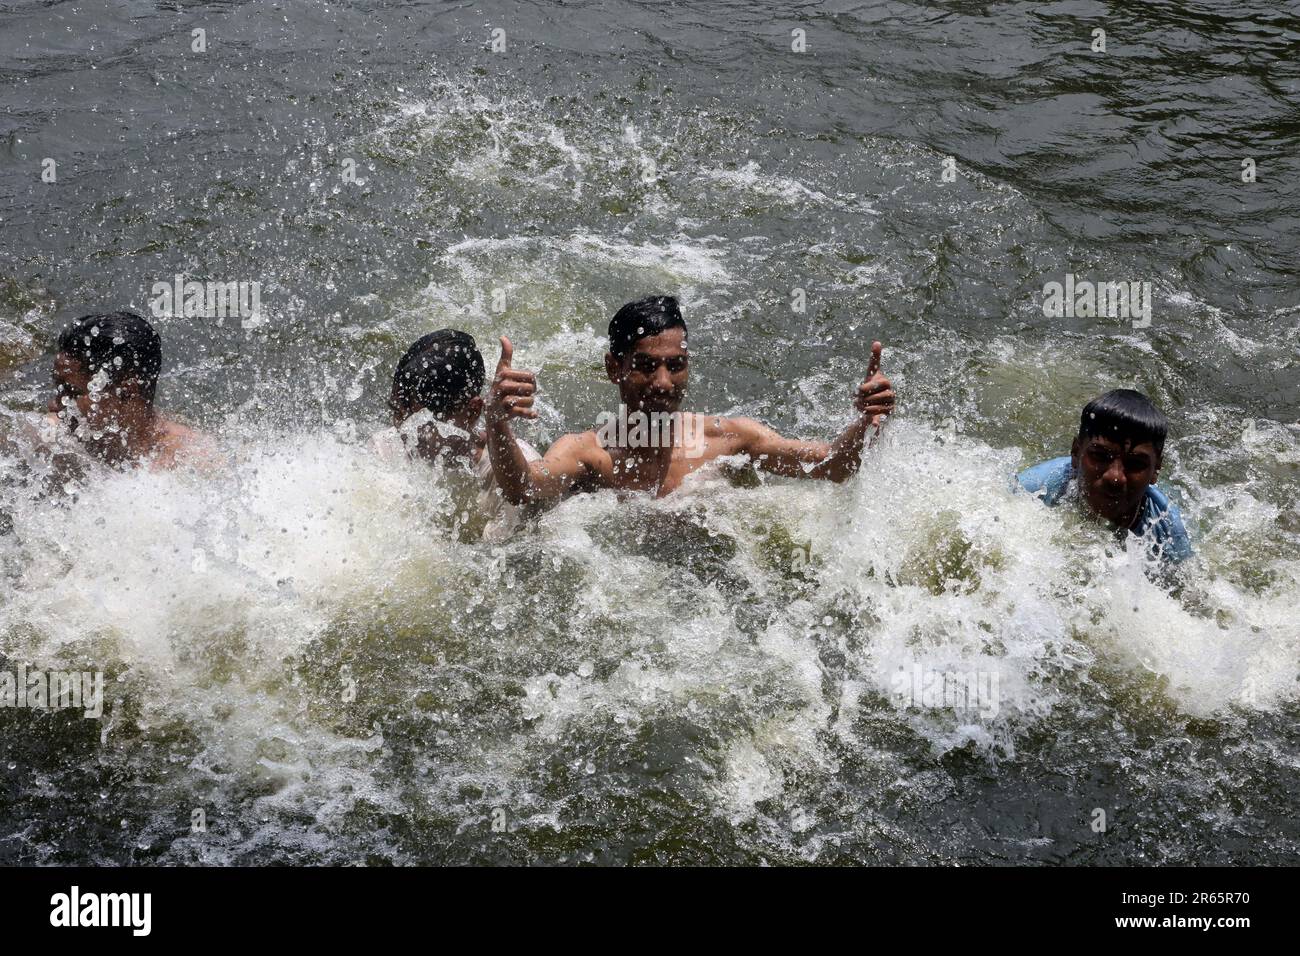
{"type": "Point", "coordinates": [705, 678]}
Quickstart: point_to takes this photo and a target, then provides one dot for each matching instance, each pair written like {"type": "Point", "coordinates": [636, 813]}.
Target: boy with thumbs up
{"type": "Point", "coordinates": [649, 363]}
{"type": "Point", "coordinates": [436, 404]}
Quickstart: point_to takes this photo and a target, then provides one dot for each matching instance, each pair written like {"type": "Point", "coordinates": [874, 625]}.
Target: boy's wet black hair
{"type": "Point", "coordinates": [123, 345]}
{"type": "Point", "coordinates": [1124, 415]}
{"type": "Point", "coordinates": [441, 371]}
{"type": "Point", "coordinates": [642, 318]}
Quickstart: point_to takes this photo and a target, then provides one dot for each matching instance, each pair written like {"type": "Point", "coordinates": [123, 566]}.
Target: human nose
{"type": "Point", "coordinates": [1114, 475]}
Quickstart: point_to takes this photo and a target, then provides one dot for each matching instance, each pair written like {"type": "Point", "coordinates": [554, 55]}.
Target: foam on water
{"type": "Point", "coordinates": [676, 262]}
{"type": "Point", "coordinates": [711, 677]}
{"type": "Point", "coordinates": [767, 618]}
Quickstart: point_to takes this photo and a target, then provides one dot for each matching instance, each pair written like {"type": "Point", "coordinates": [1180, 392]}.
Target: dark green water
{"type": "Point", "coordinates": [697, 680]}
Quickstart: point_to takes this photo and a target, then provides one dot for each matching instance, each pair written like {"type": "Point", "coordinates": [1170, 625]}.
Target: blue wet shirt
{"type": "Point", "coordinates": [1158, 520]}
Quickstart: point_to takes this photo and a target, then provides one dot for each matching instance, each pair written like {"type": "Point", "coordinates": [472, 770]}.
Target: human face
{"type": "Point", "coordinates": [99, 414]}
{"type": "Point", "coordinates": [71, 398]}
{"type": "Point", "coordinates": [428, 441]}
{"type": "Point", "coordinates": [652, 378]}
{"type": "Point", "coordinates": [1114, 477]}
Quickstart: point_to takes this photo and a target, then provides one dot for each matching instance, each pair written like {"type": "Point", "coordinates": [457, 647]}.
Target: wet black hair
{"type": "Point", "coordinates": [1124, 415]}
{"type": "Point", "coordinates": [642, 318]}
{"type": "Point", "coordinates": [121, 344]}
{"type": "Point", "coordinates": [441, 371]}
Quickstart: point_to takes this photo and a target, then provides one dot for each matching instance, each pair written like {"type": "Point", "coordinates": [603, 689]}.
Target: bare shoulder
{"type": "Point", "coordinates": [737, 433]}
{"type": "Point", "coordinates": [582, 458]}
{"type": "Point", "coordinates": [717, 425]}
{"type": "Point", "coordinates": [37, 432]}
{"type": "Point", "coordinates": [182, 446]}
{"type": "Point", "coordinates": [584, 447]}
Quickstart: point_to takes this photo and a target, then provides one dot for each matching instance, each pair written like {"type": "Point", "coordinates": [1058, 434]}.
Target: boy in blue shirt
{"type": "Point", "coordinates": [1111, 470]}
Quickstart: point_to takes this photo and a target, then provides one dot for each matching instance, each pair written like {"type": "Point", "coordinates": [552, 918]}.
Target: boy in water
{"type": "Point", "coordinates": [105, 378]}
{"type": "Point", "coordinates": [1111, 471]}
{"type": "Point", "coordinates": [648, 362]}
{"type": "Point", "coordinates": [435, 404]}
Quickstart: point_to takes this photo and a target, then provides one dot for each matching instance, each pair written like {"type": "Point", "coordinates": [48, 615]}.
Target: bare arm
{"type": "Point", "coordinates": [834, 461]}
{"type": "Point", "coordinates": [542, 483]}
